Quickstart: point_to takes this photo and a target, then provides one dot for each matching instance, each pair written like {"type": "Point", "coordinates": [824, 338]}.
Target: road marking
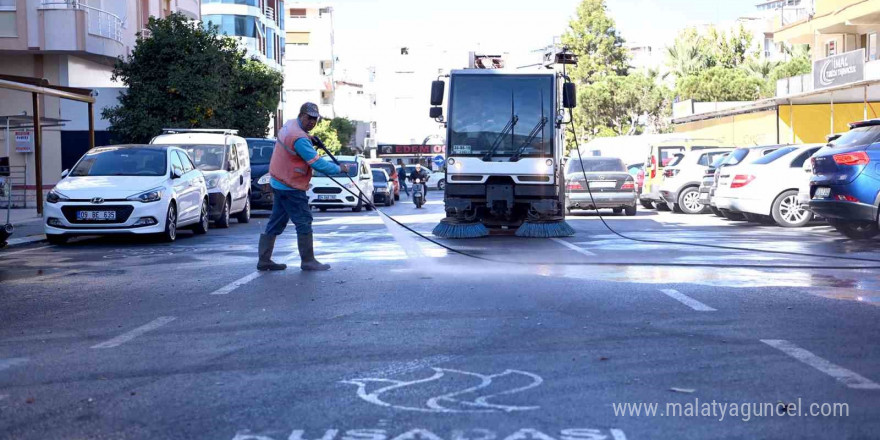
{"type": "Point", "coordinates": [688, 301]}
{"type": "Point", "coordinates": [573, 247]}
{"type": "Point", "coordinates": [617, 434]}
{"type": "Point", "coordinates": [844, 376]}
{"type": "Point", "coordinates": [475, 400]}
{"type": "Point", "coordinates": [3, 254]}
{"type": "Point", "coordinates": [11, 362]}
{"type": "Point", "coordinates": [125, 337]}
{"type": "Point", "coordinates": [237, 283]}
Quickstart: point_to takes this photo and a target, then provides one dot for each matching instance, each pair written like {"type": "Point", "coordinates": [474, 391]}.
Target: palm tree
{"type": "Point", "coordinates": [761, 68]}
{"type": "Point", "coordinates": [686, 57]}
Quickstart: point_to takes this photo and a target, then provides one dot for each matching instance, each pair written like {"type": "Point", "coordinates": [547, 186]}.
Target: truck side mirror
{"type": "Point", "coordinates": [436, 112]}
{"type": "Point", "coordinates": [437, 89]}
{"type": "Point", "coordinates": [569, 95]}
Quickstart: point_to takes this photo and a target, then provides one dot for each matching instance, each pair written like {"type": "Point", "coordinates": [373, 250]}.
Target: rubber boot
{"type": "Point", "coordinates": [307, 253]}
{"type": "Point", "coordinates": [267, 245]}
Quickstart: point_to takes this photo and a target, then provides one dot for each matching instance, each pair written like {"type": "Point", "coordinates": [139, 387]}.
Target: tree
{"type": "Point", "coordinates": [594, 39]}
{"type": "Point", "coordinates": [734, 49]}
{"type": "Point", "coordinates": [345, 131]}
{"type": "Point", "coordinates": [190, 76]}
{"type": "Point", "coordinates": [257, 93]}
{"type": "Point", "coordinates": [720, 84]}
{"type": "Point", "coordinates": [328, 135]}
{"type": "Point", "coordinates": [689, 54]}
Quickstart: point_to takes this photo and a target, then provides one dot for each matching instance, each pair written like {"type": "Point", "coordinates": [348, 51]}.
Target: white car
{"type": "Point", "coordinates": [325, 194]}
{"type": "Point", "coordinates": [680, 188]}
{"type": "Point", "coordinates": [768, 187]}
{"type": "Point", "coordinates": [224, 159]}
{"type": "Point", "coordinates": [437, 179]}
{"type": "Point", "coordinates": [128, 189]}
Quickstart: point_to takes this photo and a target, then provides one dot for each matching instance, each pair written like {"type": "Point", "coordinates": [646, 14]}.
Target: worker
{"type": "Point", "coordinates": [290, 169]}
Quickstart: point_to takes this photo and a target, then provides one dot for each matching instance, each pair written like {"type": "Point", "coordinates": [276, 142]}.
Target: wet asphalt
{"type": "Point", "coordinates": [123, 338]}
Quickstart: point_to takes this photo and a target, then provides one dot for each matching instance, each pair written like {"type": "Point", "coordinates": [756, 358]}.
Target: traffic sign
{"type": "Point", "coordinates": [439, 161]}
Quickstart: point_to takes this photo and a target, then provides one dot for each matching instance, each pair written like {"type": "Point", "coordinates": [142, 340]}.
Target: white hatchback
{"type": "Point", "coordinates": [128, 189]}
{"type": "Point", "coordinates": [768, 187]}
{"type": "Point", "coordinates": [325, 191]}
{"type": "Point", "coordinates": [680, 188]}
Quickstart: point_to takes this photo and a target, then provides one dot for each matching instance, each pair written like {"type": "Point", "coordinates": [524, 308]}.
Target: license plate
{"type": "Point", "coordinates": [822, 192]}
{"type": "Point", "coordinates": [96, 215]}
{"type": "Point", "coordinates": [603, 184]}
{"type": "Point", "coordinates": [325, 197]}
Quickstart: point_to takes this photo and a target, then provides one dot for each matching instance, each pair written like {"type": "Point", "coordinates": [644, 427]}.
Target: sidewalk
{"type": "Point", "coordinates": [28, 225]}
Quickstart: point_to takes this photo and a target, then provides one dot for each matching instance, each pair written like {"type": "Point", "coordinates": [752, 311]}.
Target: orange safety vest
{"type": "Point", "coordinates": [286, 167]}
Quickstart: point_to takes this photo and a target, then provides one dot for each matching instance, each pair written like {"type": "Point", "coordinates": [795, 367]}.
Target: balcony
{"type": "Point", "coordinates": [72, 26]}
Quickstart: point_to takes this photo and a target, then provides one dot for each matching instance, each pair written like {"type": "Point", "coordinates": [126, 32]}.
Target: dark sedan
{"type": "Point", "coordinates": [260, 152]}
{"type": "Point", "coordinates": [610, 185]}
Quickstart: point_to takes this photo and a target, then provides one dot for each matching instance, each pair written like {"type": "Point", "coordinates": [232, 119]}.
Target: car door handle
{"type": "Point", "coordinates": [241, 180]}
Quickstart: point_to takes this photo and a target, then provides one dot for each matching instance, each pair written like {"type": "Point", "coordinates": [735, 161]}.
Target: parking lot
{"type": "Point", "coordinates": [403, 339]}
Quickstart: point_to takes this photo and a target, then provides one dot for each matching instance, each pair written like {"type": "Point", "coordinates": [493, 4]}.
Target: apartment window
{"type": "Point", "coordinates": [270, 43]}
{"type": "Point", "coordinates": [831, 48]}
{"type": "Point", "coordinates": [297, 13]}
{"type": "Point", "coordinates": [871, 50]}
{"type": "Point", "coordinates": [233, 25]}
{"type": "Point", "coordinates": [8, 23]}
{"type": "Point", "coordinates": [301, 38]}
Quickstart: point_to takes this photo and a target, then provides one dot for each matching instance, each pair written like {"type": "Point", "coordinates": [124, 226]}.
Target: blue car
{"type": "Point", "coordinates": [845, 185]}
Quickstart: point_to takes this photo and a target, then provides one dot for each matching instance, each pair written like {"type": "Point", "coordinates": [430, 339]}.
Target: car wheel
{"type": "Point", "coordinates": [617, 210]}
{"type": "Point", "coordinates": [223, 221]}
{"type": "Point", "coordinates": [647, 204]}
{"type": "Point", "coordinates": [788, 212]}
{"type": "Point", "coordinates": [245, 215]}
{"type": "Point", "coordinates": [56, 239]}
{"type": "Point", "coordinates": [689, 201]}
{"type": "Point", "coordinates": [389, 200]}
{"type": "Point", "coordinates": [857, 230]}
{"type": "Point", "coordinates": [170, 233]}
{"type": "Point", "coordinates": [735, 216]}
{"type": "Point", "coordinates": [202, 226]}
{"type": "Point", "coordinates": [630, 210]}
{"type": "Point", "coordinates": [441, 184]}
{"type": "Point", "coordinates": [397, 197]}
{"type": "Point", "coordinates": [716, 211]}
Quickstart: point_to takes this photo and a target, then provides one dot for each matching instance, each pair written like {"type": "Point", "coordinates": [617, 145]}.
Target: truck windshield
{"type": "Point", "coordinates": [482, 105]}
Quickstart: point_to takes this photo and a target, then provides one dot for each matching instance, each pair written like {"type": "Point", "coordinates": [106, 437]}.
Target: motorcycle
{"type": "Point", "coordinates": [418, 193]}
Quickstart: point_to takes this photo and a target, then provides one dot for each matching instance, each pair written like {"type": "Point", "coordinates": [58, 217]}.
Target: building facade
{"type": "Point", "coordinates": [257, 24]}
{"type": "Point", "coordinates": [71, 43]}
{"type": "Point", "coordinates": [309, 59]}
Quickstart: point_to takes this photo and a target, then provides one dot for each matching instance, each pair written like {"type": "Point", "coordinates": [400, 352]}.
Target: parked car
{"type": "Point", "coordinates": [660, 155]}
{"type": "Point", "coordinates": [224, 159]}
{"type": "Point", "coordinates": [260, 152]}
{"type": "Point", "coordinates": [382, 192]}
{"type": "Point", "coordinates": [845, 186]}
{"type": "Point", "coordinates": [767, 188]}
{"type": "Point", "coordinates": [737, 157]}
{"type": "Point", "coordinates": [707, 185]}
{"type": "Point", "coordinates": [609, 183]}
{"type": "Point", "coordinates": [128, 189]}
{"type": "Point", "coordinates": [324, 193]}
{"type": "Point", "coordinates": [391, 170]}
{"type": "Point", "coordinates": [680, 189]}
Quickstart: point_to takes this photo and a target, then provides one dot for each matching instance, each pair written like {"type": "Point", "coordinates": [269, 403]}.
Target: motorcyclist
{"type": "Point", "coordinates": [419, 173]}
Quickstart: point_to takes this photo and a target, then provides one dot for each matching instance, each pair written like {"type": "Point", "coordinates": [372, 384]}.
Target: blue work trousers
{"type": "Point", "coordinates": [290, 205]}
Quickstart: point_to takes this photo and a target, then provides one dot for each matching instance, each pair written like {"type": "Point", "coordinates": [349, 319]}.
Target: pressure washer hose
{"type": "Point", "coordinates": [364, 200]}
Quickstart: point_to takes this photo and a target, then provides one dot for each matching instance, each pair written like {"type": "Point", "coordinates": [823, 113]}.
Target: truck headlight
{"type": "Point", "coordinates": [153, 195]}
{"type": "Point", "coordinates": [55, 197]}
{"type": "Point", "coordinates": [264, 179]}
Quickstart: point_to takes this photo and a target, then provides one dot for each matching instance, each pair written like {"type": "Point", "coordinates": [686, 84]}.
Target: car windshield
{"type": "Point", "coordinates": [379, 176]}
{"type": "Point", "coordinates": [352, 171]}
{"type": "Point", "coordinates": [774, 155]}
{"type": "Point", "coordinates": [122, 162]}
{"type": "Point", "coordinates": [260, 150]}
{"type": "Point", "coordinates": [736, 156]}
{"type": "Point", "coordinates": [858, 136]}
{"type": "Point", "coordinates": [595, 165]}
{"type": "Point", "coordinates": [488, 110]}
{"type": "Point", "coordinates": [206, 157]}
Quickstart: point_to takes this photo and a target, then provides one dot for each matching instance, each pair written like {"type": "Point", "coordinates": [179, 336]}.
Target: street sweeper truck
{"type": "Point", "coordinates": [504, 149]}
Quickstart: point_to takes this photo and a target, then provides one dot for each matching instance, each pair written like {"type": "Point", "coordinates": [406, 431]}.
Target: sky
{"type": "Point", "coordinates": [364, 27]}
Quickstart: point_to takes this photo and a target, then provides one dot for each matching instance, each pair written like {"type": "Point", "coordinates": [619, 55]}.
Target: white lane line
{"type": "Point", "coordinates": [4, 254]}
{"type": "Point", "coordinates": [11, 362]}
{"type": "Point", "coordinates": [573, 247]}
{"type": "Point", "coordinates": [237, 283]}
{"type": "Point", "coordinates": [844, 376]}
{"type": "Point", "coordinates": [688, 301]}
{"type": "Point", "coordinates": [125, 337]}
